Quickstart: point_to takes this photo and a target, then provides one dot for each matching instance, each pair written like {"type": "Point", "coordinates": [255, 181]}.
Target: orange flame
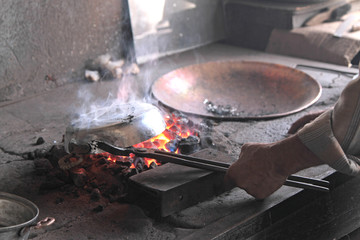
{"type": "Point", "coordinates": [172, 131]}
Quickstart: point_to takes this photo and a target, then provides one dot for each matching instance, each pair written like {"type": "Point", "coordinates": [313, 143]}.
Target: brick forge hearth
{"type": "Point", "coordinates": [232, 214]}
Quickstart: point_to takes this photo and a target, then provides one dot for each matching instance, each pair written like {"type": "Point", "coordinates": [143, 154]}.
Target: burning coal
{"type": "Point", "coordinates": [105, 176]}
{"type": "Point", "coordinates": [179, 136]}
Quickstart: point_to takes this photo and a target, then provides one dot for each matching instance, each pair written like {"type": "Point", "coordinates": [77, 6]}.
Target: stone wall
{"type": "Point", "coordinates": [44, 44]}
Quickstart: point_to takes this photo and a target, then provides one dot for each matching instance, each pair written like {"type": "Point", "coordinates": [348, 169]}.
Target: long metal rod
{"type": "Point", "coordinates": [223, 166]}
{"type": "Point", "coordinates": [344, 72]}
{"type": "Point", "coordinates": [292, 181]}
{"type": "Point", "coordinates": [318, 182]}
{"type": "Point", "coordinates": [190, 161]}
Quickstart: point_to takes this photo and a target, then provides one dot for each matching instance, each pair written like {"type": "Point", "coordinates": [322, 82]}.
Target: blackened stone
{"type": "Point", "coordinates": [56, 153]}
{"type": "Point", "coordinates": [189, 145]}
{"type": "Point", "coordinates": [40, 141]}
{"type": "Point", "coordinates": [40, 153]}
{"type": "Point", "coordinates": [133, 172]}
{"type": "Point", "coordinates": [98, 209]}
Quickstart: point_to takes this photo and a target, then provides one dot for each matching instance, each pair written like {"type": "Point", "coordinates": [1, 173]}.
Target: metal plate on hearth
{"type": "Point", "coordinates": [237, 90]}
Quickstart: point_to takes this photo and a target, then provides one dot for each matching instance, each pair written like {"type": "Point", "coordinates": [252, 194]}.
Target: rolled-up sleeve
{"type": "Point", "coordinates": [319, 138]}
{"type": "Point", "coordinates": [334, 136]}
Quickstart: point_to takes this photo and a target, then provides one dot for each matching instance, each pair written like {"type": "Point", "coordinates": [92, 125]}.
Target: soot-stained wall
{"type": "Point", "coordinates": [44, 44]}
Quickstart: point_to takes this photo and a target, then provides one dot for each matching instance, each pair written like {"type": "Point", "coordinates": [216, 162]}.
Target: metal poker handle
{"type": "Point", "coordinates": [292, 181]}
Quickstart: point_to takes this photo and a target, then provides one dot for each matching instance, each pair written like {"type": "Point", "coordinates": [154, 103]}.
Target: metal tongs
{"type": "Point", "coordinates": [186, 160]}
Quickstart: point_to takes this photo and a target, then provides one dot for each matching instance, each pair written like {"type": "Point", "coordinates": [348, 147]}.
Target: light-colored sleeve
{"type": "Point", "coordinates": [334, 136]}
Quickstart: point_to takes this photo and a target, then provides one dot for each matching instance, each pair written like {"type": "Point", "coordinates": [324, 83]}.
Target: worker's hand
{"type": "Point", "coordinates": [263, 168]}
{"type": "Point", "coordinates": [298, 124]}
{"type": "Point", "coordinates": [258, 171]}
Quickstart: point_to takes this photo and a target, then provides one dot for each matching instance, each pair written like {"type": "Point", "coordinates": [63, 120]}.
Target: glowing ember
{"type": "Point", "coordinates": [177, 127]}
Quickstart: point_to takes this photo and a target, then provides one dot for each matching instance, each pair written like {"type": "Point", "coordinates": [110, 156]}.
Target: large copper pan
{"type": "Point", "coordinates": [253, 90]}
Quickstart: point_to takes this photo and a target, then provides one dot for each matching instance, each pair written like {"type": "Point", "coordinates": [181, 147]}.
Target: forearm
{"type": "Point", "coordinates": [294, 155]}
{"type": "Point", "coordinates": [334, 137]}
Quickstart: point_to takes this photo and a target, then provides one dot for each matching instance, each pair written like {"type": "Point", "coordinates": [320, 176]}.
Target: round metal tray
{"type": "Point", "coordinates": [243, 89]}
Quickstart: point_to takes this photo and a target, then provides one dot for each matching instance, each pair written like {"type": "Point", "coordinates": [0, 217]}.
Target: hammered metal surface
{"type": "Point", "coordinates": [254, 90]}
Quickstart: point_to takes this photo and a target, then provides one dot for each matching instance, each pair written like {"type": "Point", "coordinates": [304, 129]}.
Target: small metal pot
{"type": "Point", "coordinates": [18, 217]}
{"type": "Point", "coordinates": [123, 125]}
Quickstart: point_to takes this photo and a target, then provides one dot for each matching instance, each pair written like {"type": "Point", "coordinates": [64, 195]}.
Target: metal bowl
{"type": "Point", "coordinates": [18, 217]}
{"type": "Point", "coordinates": [245, 89]}
{"type": "Point", "coordinates": [122, 124]}
{"type": "Point", "coordinates": [15, 214]}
